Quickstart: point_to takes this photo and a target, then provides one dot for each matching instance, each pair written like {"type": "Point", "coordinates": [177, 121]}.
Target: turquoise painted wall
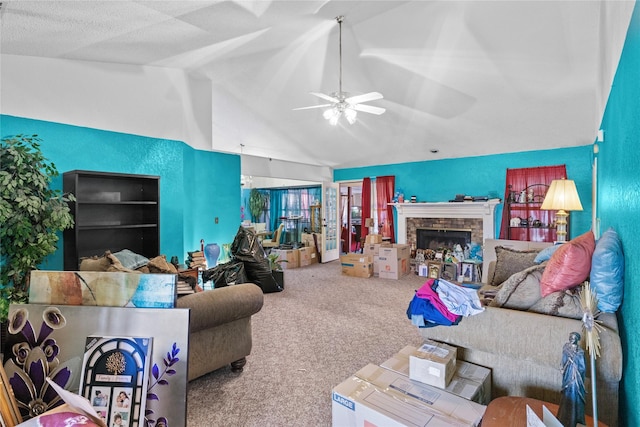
{"type": "Point", "coordinates": [619, 204]}
{"type": "Point", "coordinates": [441, 180]}
{"type": "Point", "coordinates": [195, 186]}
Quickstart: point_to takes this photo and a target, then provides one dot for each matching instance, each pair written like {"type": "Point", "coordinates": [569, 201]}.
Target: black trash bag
{"type": "Point", "coordinates": [247, 248]}
{"type": "Point", "coordinates": [230, 273]}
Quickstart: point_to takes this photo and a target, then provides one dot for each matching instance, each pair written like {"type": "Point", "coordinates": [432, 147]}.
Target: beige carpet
{"type": "Point", "coordinates": [321, 329]}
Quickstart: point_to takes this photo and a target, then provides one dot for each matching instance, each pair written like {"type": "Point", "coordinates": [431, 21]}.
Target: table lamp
{"type": "Point", "coordinates": [562, 196]}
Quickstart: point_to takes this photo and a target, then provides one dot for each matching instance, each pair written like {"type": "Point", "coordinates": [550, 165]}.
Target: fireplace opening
{"type": "Point", "coordinates": [435, 238]}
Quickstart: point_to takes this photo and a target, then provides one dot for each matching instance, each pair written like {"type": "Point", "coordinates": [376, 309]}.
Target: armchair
{"type": "Point", "coordinates": [274, 242]}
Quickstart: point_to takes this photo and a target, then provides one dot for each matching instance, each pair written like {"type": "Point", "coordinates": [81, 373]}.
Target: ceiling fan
{"type": "Point", "coordinates": [343, 104]}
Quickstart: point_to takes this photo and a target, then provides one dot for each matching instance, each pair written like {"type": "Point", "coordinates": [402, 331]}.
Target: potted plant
{"type": "Point", "coordinates": [31, 215]}
{"type": "Point", "coordinates": [256, 204]}
{"type": "Point", "coordinates": [276, 268]}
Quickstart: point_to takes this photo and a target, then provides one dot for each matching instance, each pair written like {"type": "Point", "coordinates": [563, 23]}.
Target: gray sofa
{"type": "Point", "coordinates": [220, 327]}
{"type": "Point", "coordinates": [524, 349]}
{"type": "Point", "coordinates": [220, 319]}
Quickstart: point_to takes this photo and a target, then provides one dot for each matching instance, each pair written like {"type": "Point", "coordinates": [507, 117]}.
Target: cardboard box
{"type": "Point", "coordinates": [291, 256]}
{"type": "Point", "coordinates": [357, 265]}
{"type": "Point", "coordinates": [469, 381]}
{"type": "Point", "coordinates": [373, 238]}
{"type": "Point", "coordinates": [394, 261]}
{"type": "Point", "coordinates": [373, 249]}
{"type": "Point", "coordinates": [433, 363]}
{"type": "Point", "coordinates": [375, 396]}
{"type": "Point", "coordinates": [307, 239]}
{"type": "Point", "coordinates": [376, 266]}
{"type": "Point", "coordinates": [307, 255]}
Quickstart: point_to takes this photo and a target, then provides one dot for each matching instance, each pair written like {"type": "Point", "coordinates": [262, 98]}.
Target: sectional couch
{"type": "Point", "coordinates": [524, 347]}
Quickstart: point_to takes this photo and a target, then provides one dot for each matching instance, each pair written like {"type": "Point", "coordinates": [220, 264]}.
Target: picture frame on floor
{"type": "Point", "coordinates": [433, 269]}
{"type": "Point", "coordinates": [449, 271]}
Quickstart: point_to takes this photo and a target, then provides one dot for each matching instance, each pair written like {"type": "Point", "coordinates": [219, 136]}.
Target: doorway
{"type": "Point", "coordinates": [351, 216]}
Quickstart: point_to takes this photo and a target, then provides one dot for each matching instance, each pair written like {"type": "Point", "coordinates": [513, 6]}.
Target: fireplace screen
{"type": "Point", "coordinates": [435, 238]}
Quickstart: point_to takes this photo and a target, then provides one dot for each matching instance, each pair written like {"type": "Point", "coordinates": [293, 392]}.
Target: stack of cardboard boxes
{"type": "Point", "coordinates": [378, 259]}
{"type": "Point", "coordinates": [423, 386]}
{"type": "Point", "coordinates": [299, 257]}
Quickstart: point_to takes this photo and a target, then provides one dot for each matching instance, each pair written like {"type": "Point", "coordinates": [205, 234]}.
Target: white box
{"type": "Point", "coordinates": [380, 397]}
{"type": "Point", "coordinates": [433, 363]}
{"type": "Point", "coordinates": [469, 381]}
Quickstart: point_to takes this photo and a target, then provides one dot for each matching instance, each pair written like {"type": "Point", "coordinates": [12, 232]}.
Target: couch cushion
{"type": "Point", "coordinates": [521, 290]}
{"type": "Point", "coordinates": [509, 262]}
{"type": "Point", "coordinates": [607, 271]}
{"type": "Point", "coordinates": [569, 266]}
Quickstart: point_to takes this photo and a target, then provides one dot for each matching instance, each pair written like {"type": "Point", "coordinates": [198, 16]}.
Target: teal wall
{"type": "Point", "coordinates": [619, 204]}
{"type": "Point", "coordinates": [195, 186]}
{"type": "Point", "coordinates": [441, 180]}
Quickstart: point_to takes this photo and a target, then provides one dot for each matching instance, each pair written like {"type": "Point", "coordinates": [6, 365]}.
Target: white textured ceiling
{"type": "Point", "coordinates": [461, 77]}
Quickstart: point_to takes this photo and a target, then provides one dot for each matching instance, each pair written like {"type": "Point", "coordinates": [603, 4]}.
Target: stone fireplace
{"type": "Point", "coordinates": [478, 217]}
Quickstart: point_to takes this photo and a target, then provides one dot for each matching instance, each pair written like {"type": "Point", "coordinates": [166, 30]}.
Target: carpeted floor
{"type": "Point", "coordinates": [321, 329]}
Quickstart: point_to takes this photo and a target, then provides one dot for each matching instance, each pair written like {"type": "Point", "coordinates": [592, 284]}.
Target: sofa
{"type": "Point", "coordinates": [219, 321]}
{"type": "Point", "coordinates": [523, 347]}
{"type": "Point", "coordinates": [220, 327]}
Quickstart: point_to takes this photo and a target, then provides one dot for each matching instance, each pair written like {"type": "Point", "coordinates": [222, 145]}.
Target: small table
{"type": "Point", "coordinates": [512, 411]}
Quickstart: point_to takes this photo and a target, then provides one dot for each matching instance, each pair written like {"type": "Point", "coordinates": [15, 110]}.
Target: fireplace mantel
{"type": "Point", "coordinates": [484, 210]}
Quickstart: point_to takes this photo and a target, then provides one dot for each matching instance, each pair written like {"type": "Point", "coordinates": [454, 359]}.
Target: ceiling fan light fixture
{"type": "Point", "coordinates": [350, 114]}
{"type": "Point", "coordinates": [342, 104]}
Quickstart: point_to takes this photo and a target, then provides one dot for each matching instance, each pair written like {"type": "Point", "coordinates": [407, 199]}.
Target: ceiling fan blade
{"type": "Point", "coordinates": [313, 106]}
{"type": "Point", "coordinates": [371, 96]}
{"type": "Point", "coordinates": [369, 109]}
{"type": "Point", "coordinates": [325, 97]}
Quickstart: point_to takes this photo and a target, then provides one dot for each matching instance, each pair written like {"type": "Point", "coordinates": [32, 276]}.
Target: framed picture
{"type": "Point", "coordinates": [449, 271]}
{"type": "Point", "coordinates": [470, 272]}
{"type": "Point", "coordinates": [433, 269]}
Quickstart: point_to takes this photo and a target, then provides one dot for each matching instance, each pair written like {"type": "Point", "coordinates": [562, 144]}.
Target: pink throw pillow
{"type": "Point", "coordinates": [569, 266]}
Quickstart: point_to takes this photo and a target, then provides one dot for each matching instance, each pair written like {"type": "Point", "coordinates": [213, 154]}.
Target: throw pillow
{"type": "Point", "coordinates": [569, 266]}
{"type": "Point", "coordinates": [131, 260]}
{"type": "Point", "coordinates": [116, 265]}
{"type": "Point", "coordinates": [607, 271]}
{"type": "Point", "coordinates": [509, 261]}
{"type": "Point", "coordinates": [560, 303]}
{"type": "Point", "coordinates": [521, 290]}
{"type": "Point", "coordinates": [545, 254]}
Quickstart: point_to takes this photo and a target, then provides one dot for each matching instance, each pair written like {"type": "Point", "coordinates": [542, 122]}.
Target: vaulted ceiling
{"type": "Point", "coordinates": [459, 78]}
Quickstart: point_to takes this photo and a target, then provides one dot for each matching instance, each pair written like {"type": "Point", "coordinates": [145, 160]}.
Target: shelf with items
{"type": "Point", "coordinates": [113, 211]}
{"type": "Point", "coordinates": [527, 221]}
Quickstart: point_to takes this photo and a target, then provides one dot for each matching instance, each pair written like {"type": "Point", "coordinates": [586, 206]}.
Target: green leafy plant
{"type": "Point", "coordinates": [256, 204]}
{"type": "Point", "coordinates": [31, 215]}
{"type": "Point", "coordinates": [274, 263]}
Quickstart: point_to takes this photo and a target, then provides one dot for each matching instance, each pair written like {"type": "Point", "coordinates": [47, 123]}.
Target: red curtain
{"type": "Point", "coordinates": [385, 187]}
{"type": "Point", "coordinates": [366, 207]}
{"type": "Point", "coordinates": [518, 179]}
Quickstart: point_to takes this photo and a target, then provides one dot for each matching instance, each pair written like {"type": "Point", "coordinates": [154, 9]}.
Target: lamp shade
{"type": "Point", "coordinates": [562, 195]}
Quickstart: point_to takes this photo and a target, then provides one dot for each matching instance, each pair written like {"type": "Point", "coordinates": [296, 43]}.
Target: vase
{"type": "Point", "coordinates": [211, 253]}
